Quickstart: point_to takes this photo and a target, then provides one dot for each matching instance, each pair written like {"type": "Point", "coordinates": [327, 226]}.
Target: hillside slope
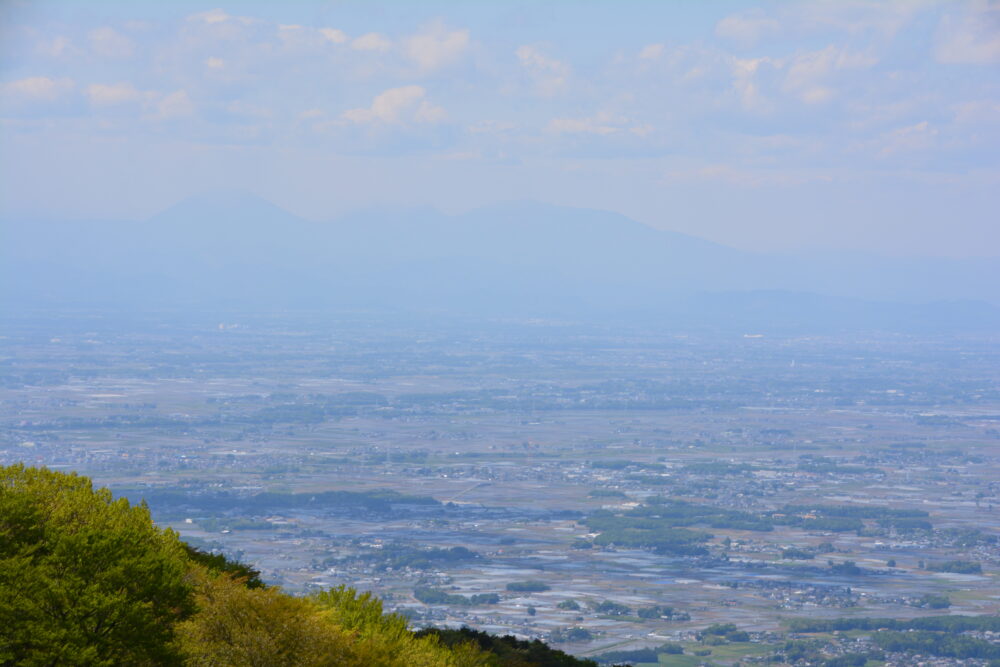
{"type": "Point", "coordinates": [89, 580]}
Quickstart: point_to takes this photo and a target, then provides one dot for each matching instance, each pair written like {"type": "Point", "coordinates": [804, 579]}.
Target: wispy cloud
{"type": "Point", "coordinates": [38, 89]}
{"type": "Point", "coordinates": [550, 76]}
{"type": "Point", "coordinates": [101, 94]}
{"type": "Point", "coordinates": [744, 95]}
{"type": "Point", "coordinates": [747, 28]}
{"type": "Point", "coordinates": [602, 124]}
{"type": "Point", "coordinates": [970, 36]}
{"type": "Point", "coordinates": [372, 41]}
{"type": "Point", "coordinates": [406, 104]}
{"type": "Point", "coordinates": [110, 43]}
{"type": "Point", "coordinates": [436, 46]}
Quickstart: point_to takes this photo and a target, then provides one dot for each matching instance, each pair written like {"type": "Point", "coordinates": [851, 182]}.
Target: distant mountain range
{"type": "Point", "coordinates": [521, 259]}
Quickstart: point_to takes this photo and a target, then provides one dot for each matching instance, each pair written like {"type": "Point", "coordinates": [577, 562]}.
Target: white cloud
{"type": "Point", "coordinates": [306, 38]}
{"type": "Point", "coordinates": [867, 114]}
{"type": "Point", "coordinates": [428, 113]}
{"type": "Point", "coordinates": [174, 105]}
{"type": "Point", "coordinates": [110, 43]}
{"type": "Point", "coordinates": [651, 52]}
{"type": "Point", "coordinates": [747, 28]}
{"type": "Point", "coordinates": [398, 105]}
{"type": "Point", "coordinates": [371, 41]}
{"type": "Point", "coordinates": [917, 137]}
{"type": "Point", "coordinates": [111, 94]}
{"type": "Point", "coordinates": [551, 75]}
{"type": "Point", "coordinates": [880, 19]}
{"type": "Point", "coordinates": [291, 33]}
{"type": "Point", "coordinates": [55, 47]}
{"type": "Point", "coordinates": [973, 38]}
{"type": "Point", "coordinates": [808, 76]}
{"type": "Point", "coordinates": [601, 124]}
{"type": "Point", "coordinates": [37, 89]}
{"type": "Point", "coordinates": [333, 35]}
{"type": "Point", "coordinates": [209, 28]}
{"type": "Point", "coordinates": [980, 113]}
{"type": "Point", "coordinates": [808, 73]}
{"type": "Point", "coordinates": [436, 46]}
{"type": "Point", "coordinates": [745, 84]}
{"type": "Point", "coordinates": [212, 16]}
{"type": "Point", "coordinates": [215, 63]}
{"type": "Point", "coordinates": [884, 17]}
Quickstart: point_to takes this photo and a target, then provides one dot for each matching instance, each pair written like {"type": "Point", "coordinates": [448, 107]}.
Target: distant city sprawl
{"type": "Point", "coordinates": [608, 491]}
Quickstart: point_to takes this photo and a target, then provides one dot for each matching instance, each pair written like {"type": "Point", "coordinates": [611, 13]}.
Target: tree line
{"type": "Point", "coordinates": [87, 579]}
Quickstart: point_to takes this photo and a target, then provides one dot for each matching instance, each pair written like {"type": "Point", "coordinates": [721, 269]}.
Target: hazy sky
{"type": "Point", "coordinates": [840, 124]}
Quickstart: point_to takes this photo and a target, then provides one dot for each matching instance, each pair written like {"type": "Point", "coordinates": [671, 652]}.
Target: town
{"type": "Point", "coordinates": [634, 496]}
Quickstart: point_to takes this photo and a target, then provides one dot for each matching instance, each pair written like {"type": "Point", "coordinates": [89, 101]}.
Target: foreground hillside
{"type": "Point", "coordinates": [89, 580]}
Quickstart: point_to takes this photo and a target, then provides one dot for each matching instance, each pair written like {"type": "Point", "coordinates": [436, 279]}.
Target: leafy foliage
{"type": "Point", "coordinates": [612, 608]}
{"type": "Point", "coordinates": [527, 586]}
{"type": "Point", "coordinates": [936, 643]}
{"type": "Point", "coordinates": [934, 601]}
{"type": "Point", "coordinates": [509, 651]}
{"type": "Point", "coordinates": [956, 566]}
{"type": "Point", "coordinates": [385, 639]}
{"type": "Point", "coordinates": [84, 579]}
{"type": "Point", "coordinates": [398, 556]}
{"type": "Point", "coordinates": [662, 611]}
{"type": "Point", "coordinates": [241, 626]}
{"type": "Point", "coordinates": [429, 595]}
{"type": "Point", "coordinates": [89, 580]}
{"type": "Point", "coordinates": [797, 554]}
{"type": "Point", "coordinates": [219, 564]}
{"type": "Point", "coordinates": [952, 624]}
{"type": "Point", "coordinates": [639, 655]}
{"type": "Point", "coordinates": [660, 525]}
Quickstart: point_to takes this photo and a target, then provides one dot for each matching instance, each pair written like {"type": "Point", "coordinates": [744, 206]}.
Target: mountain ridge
{"type": "Point", "coordinates": [516, 257]}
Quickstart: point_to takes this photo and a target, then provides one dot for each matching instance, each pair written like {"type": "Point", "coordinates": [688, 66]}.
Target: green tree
{"type": "Point", "coordinates": [384, 640]}
{"type": "Point", "coordinates": [84, 579]}
{"type": "Point", "coordinates": [219, 564]}
{"type": "Point", "coordinates": [89, 580]}
{"type": "Point", "coordinates": [239, 626]}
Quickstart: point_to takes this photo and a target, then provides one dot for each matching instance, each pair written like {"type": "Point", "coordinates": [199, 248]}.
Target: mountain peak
{"type": "Point", "coordinates": [225, 208]}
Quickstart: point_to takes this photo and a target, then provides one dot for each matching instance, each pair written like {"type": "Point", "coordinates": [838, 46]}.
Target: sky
{"type": "Point", "coordinates": [770, 126]}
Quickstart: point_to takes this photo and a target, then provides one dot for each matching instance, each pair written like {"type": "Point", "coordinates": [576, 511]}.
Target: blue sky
{"type": "Point", "coordinates": [871, 126]}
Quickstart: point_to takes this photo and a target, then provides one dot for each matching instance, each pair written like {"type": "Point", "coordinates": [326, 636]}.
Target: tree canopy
{"type": "Point", "coordinates": [84, 578]}
{"type": "Point", "coordinates": [87, 579]}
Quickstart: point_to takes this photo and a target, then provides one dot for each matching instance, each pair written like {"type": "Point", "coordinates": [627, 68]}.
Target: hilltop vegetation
{"type": "Point", "coordinates": [663, 524]}
{"type": "Point", "coordinates": [86, 579]}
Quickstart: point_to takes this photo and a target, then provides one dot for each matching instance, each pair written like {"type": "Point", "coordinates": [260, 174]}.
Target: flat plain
{"type": "Point", "coordinates": [602, 488]}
